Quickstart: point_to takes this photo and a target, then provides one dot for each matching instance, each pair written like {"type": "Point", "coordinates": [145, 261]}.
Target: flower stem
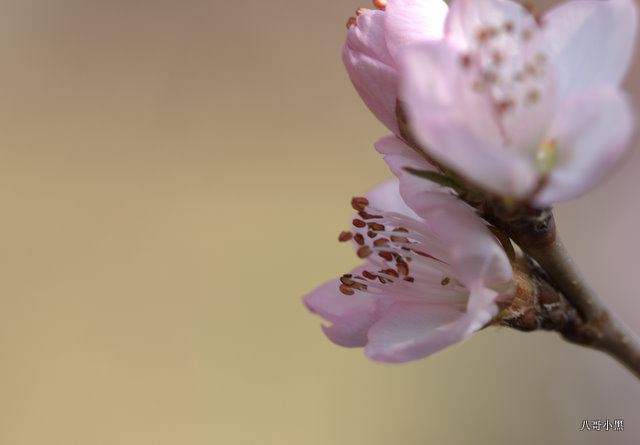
{"type": "Point", "coordinates": [599, 328]}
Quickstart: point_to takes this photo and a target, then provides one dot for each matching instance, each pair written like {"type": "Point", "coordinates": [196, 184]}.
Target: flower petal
{"type": "Point", "coordinates": [590, 42]}
{"type": "Point", "coordinates": [386, 196]}
{"type": "Point", "coordinates": [371, 68]}
{"type": "Point", "coordinates": [456, 125]}
{"type": "Point", "coordinates": [411, 330]}
{"type": "Point", "coordinates": [351, 315]}
{"type": "Point", "coordinates": [398, 156]}
{"type": "Point", "coordinates": [410, 21]}
{"type": "Point", "coordinates": [474, 253]}
{"type": "Point", "coordinates": [591, 132]}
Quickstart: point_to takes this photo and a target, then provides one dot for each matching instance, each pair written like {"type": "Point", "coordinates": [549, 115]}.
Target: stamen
{"type": "Point", "coordinates": [381, 242]}
{"type": "Point", "coordinates": [465, 61]}
{"type": "Point", "coordinates": [508, 27]}
{"type": "Point", "coordinates": [533, 96]}
{"type": "Point", "coordinates": [380, 4]}
{"type": "Point", "coordinates": [504, 105]}
{"type": "Point", "coordinates": [351, 21]}
{"type": "Point", "coordinates": [345, 290]}
{"type": "Point", "coordinates": [368, 275]}
{"type": "Point", "coordinates": [346, 280]}
{"type": "Point", "coordinates": [359, 203]}
{"type": "Point", "coordinates": [361, 11]}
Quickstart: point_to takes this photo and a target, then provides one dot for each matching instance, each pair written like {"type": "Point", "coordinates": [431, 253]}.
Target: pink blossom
{"type": "Point", "coordinates": [432, 276]}
{"type": "Point", "coordinates": [525, 107]}
{"type": "Point", "coordinates": [374, 42]}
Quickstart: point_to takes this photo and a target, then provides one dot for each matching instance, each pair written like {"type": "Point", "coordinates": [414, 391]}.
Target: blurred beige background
{"type": "Point", "coordinates": [173, 176]}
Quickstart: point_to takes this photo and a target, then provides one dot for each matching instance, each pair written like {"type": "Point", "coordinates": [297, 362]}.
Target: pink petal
{"type": "Point", "coordinates": [592, 132]}
{"type": "Point", "coordinates": [371, 68]}
{"type": "Point", "coordinates": [456, 125]}
{"type": "Point", "coordinates": [591, 42]}
{"type": "Point", "coordinates": [412, 330]}
{"type": "Point", "coordinates": [351, 315]}
{"type": "Point", "coordinates": [410, 21]}
{"type": "Point", "coordinates": [386, 196]}
{"type": "Point", "coordinates": [474, 253]}
{"type": "Point", "coordinates": [398, 156]}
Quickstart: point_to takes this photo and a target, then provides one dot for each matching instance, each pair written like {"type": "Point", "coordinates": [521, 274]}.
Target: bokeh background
{"type": "Point", "coordinates": [173, 176]}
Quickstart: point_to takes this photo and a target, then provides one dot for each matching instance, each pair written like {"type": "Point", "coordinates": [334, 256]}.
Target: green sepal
{"type": "Point", "coordinates": [436, 177]}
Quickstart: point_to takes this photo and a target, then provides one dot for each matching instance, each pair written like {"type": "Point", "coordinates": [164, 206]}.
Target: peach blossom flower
{"type": "Point", "coordinates": [432, 276]}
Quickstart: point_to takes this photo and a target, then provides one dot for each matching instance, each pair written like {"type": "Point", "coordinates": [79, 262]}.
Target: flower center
{"type": "Point", "coordinates": [505, 64]}
{"type": "Point", "coordinates": [407, 259]}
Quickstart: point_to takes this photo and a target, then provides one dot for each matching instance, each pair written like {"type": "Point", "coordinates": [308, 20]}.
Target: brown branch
{"type": "Point", "coordinates": [601, 328]}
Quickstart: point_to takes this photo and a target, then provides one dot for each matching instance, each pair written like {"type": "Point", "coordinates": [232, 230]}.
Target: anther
{"type": "Point", "coordinates": [368, 275]}
{"type": "Point", "coordinates": [533, 96]}
{"type": "Point", "coordinates": [364, 252]}
{"type": "Point", "coordinates": [364, 215]}
{"type": "Point", "coordinates": [358, 238]}
{"type": "Point", "coordinates": [359, 203]}
{"type": "Point", "coordinates": [504, 105]}
{"type": "Point", "coordinates": [445, 281]}
{"type": "Point", "coordinates": [391, 272]}
{"type": "Point", "coordinates": [403, 268]}
{"type": "Point", "coordinates": [465, 61]}
{"type": "Point", "coordinates": [375, 226]}
{"type": "Point", "coordinates": [386, 255]}
{"type": "Point", "coordinates": [346, 280]}
{"type": "Point", "coordinates": [358, 223]}
{"type": "Point", "coordinates": [361, 11]}
{"type": "Point", "coordinates": [380, 4]}
{"type": "Point", "coordinates": [345, 290]}
{"type": "Point", "coordinates": [409, 279]}
{"type": "Point", "coordinates": [345, 236]}
{"type": "Point", "coordinates": [351, 21]}
{"type": "Point", "coordinates": [399, 239]}
{"type": "Point", "coordinates": [371, 234]}
{"type": "Point", "coordinates": [485, 34]}
{"type": "Point", "coordinates": [381, 242]}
